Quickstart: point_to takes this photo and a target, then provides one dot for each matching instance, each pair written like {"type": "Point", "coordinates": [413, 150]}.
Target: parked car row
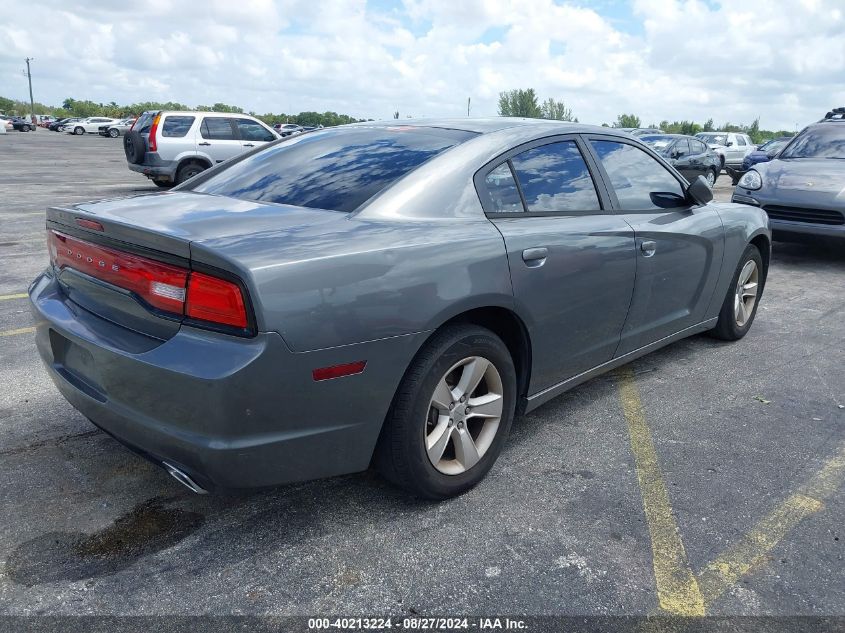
{"type": "Point", "coordinates": [16, 123]}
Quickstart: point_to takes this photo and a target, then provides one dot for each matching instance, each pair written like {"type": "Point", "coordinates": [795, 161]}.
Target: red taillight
{"type": "Point", "coordinates": [216, 300]}
{"type": "Point", "coordinates": [160, 285]}
{"type": "Point", "coordinates": [153, 129]}
{"type": "Point", "coordinates": [164, 286]}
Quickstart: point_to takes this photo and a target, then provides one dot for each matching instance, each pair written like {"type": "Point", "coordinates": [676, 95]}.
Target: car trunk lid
{"type": "Point", "coordinates": [96, 243]}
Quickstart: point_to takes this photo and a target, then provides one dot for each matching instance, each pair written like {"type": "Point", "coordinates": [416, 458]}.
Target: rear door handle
{"type": "Point", "coordinates": [535, 257]}
{"type": "Point", "coordinates": [203, 143]}
{"type": "Point", "coordinates": [648, 247]}
{"type": "Point", "coordinates": [249, 144]}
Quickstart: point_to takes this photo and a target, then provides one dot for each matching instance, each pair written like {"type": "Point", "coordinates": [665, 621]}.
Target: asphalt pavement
{"type": "Point", "coordinates": [704, 477]}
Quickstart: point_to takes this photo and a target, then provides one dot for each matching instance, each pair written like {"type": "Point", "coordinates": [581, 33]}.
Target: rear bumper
{"type": "Point", "coordinates": [231, 412]}
{"type": "Point", "coordinates": [154, 167]}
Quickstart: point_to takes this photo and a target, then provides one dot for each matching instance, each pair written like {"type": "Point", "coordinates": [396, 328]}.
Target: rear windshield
{"type": "Point", "coordinates": [144, 123]}
{"type": "Point", "coordinates": [825, 141]}
{"type": "Point", "coordinates": [338, 169]}
{"type": "Point", "coordinates": [713, 139]}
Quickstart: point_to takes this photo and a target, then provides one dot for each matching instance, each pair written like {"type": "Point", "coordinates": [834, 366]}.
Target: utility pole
{"type": "Point", "coordinates": [31, 100]}
{"type": "Point", "coordinates": [468, 100]}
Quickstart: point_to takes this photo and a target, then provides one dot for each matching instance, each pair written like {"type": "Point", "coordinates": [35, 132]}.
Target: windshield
{"type": "Point", "coordinates": [658, 142]}
{"type": "Point", "coordinates": [338, 169]}
{"type": "Point", "coordinates": [713, 139]}
{"type": "Point", "coordinates": [825, 141]}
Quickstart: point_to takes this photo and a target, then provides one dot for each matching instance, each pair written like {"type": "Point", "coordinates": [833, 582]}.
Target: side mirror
{"type": "Point", "coordinates": [729, 144]}
{"type": "Point", "coordinates": [700, 191]}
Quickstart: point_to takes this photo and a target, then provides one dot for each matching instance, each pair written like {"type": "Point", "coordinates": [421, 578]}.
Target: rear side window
{"type": "Point", "coordinates": [740, 141]}
{"type": "Point", "coordinates": [252, 131]}
{"type": "Point", "coordinates": [697, 147]}
{"type": "Point", "coordinates": [217, 128]}
{"type": "Point", "coordinates": [681, 148]}
{"type": "Point", "coordinates": [338, 169]}
{"type": "Point", "coordinates": [177, 125]}
{"type": "Point", "coordinates": [554, 177]}
{"type": "Point", "coordinates": [501, 187]}
{"type": "Point", "coordinates": [635, 175]}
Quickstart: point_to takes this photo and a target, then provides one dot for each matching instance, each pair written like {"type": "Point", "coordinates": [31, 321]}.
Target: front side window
{"type": "Point", "coordinates": [554, 177]}
{"type": "Point", "coordinates": [177, 126]}
{"type": "Point", "coordinates": [252, 131]}
{"type": "Point", "coordinates": [217, 128]}
{"type": "Point", "coordinates": [502, 190]}
{"type": "Point", "coordinates": [335, 168]}
{"type": "Point", "coordinates": [636, 176]}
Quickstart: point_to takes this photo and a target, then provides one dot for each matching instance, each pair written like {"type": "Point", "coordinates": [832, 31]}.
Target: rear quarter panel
{"type": "Point", "coordinates": [365, 279]}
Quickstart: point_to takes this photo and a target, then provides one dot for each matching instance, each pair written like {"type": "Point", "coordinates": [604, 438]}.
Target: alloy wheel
{"type": "Point", "coordinates": [747, 287]}
{"type": "Point", "coordinates": [464, 415]}
{"type": "Point", "coordinates": [711, 179]}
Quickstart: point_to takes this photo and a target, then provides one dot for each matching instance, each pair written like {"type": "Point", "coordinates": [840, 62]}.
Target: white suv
{"type": "Point", "coordinates": [170, 147]}
{"type": "Point", "coordinates": [732, 147]}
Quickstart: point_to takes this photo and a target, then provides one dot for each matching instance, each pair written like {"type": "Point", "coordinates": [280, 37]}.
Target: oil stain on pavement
{"type": "Point", "coordinates": [67, 556]}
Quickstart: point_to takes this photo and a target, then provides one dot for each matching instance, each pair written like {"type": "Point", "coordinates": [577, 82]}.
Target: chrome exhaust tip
{"type": "Point", "coordinates": [184, 479]}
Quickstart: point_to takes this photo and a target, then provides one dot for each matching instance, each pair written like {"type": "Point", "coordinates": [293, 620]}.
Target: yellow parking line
{"type": "Point", "coordinates": [22, 295]}
{"type": "Point", "coordinates": [22, 330]}
{"type": "Point", "coordinates": [753, 548]}
{"type": "Point", "coordinates": [677, 589]}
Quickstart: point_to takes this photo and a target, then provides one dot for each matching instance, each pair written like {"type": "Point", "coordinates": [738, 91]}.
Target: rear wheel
{"type": "Point", "coordinates": [451, 414]}
{"type": "Point", "coordinates": [79, 131]}
{"type": "Point", "coordinates": [711, 177]}
{"type": "Point", "coordinates": [740, 305]}
{"type": "Point", "coordinates": [114, 133]}
{"type": "Point", "coordinates": [189, 170]}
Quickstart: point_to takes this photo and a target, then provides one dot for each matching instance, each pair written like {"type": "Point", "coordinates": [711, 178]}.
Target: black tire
{"type": "Point", "coordinates": [715, 173]}
{"type": "Point", "coordinates": [79, 130]}
{"type": "Point", "coordinates": [188, 170]}
{"type": "Point", "coordinates": [26, 128]}
{"type": "Point", "coordinates": [727, 328]}
{"type": "Point", "coordinates": [135, 147]}
{"type": "Point", "coordinates": [401, 454]}
{"type": "Point", "coordinates": [164, 184]}
{"type": "Point", "coordinates": [113, 133]}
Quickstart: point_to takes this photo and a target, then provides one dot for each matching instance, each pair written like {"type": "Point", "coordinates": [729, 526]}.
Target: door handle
{"type": "Point", "coordinates": [648, 247]}
{"type": "Point", "coordinates": [203, 143]}
{"type": "Point", "coordinates": [535, 257]}
{"type": "Point", "coordinates": [249, 144]}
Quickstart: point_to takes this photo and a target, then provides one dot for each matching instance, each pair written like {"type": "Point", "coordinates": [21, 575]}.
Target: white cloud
{"type": "Point", "coordinates": [662, 59]}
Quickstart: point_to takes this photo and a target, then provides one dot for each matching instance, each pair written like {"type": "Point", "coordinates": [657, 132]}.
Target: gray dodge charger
{"type": "Point", "coordinates": [382, 294]}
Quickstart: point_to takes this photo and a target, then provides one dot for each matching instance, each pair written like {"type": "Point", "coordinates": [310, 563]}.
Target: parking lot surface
{"type": "Point", "coordinates": [706, 477]}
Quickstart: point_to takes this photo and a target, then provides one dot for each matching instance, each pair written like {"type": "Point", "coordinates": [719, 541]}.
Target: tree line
{"type": "Point", "coordinates": [525, 103]}
{"type": "Point", "coordinates": [85, 108]}
{"type": "Point", "coordinates": [518, 102]}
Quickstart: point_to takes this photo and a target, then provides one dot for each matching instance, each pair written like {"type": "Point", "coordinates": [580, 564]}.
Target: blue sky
{"type": "Point", "coordinates": [782, 60]}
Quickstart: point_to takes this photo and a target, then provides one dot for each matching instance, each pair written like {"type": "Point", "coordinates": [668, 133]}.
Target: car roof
{"type": "Point", "coordinates": [495, 124]}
